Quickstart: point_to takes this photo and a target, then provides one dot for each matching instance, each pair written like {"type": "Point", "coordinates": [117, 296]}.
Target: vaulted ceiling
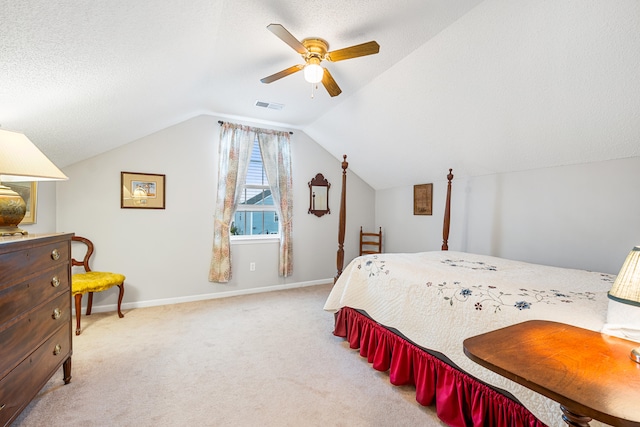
{"type": "Point", "coordinates": [481, 86]}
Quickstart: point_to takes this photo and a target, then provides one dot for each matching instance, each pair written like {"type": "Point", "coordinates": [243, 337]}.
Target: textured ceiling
{"type": "Point", "coordinates": [82, 77]}
{"type": "Point", "coordinates": [481, 86]}
{"type": "Point", "coordinates": [510, 86]}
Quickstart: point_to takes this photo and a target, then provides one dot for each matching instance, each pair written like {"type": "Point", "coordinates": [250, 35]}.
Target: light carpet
{"type": "Point", "coordinates": [266, 359]}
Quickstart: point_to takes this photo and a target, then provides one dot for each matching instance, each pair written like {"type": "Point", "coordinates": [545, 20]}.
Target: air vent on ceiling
{"type": "Point", "coordinates": [271, 105]}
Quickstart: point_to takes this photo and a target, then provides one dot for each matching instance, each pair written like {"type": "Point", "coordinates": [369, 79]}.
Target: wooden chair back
{"type": "Point", "coordinates": [85, 261]}
{"type": "Point", "coordinates": [370, 243]}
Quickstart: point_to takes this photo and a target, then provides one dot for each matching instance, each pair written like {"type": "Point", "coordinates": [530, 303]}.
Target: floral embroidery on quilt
{"type": "Point", "coordinates": [472, 265]}
{"type": "Point", "coordinates": [607, 278]}
{"type": "Point", "coordinates": [490, 297]}
{"type": "Point", "coordinates": [373, 265]}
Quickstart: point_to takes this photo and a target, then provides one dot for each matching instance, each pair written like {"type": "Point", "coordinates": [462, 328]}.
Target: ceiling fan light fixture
{"type": "Point", "coordinates": [313, 73]}
{"type": "Point", "coordinates": [314, 50]}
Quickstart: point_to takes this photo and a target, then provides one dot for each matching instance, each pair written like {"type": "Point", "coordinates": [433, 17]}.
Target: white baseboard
{"type": "Point", "coordinates": [192, 298]}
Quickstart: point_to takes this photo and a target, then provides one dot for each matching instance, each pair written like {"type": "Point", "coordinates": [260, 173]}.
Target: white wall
{"type": "Point", "coordinates": [402, 230]}
{"type": "Point", "coordinates": [165, 254]}
{"type": "Point", "coordinates": [515, 86]}
{"type": "Point", "coordinates": [511, 85]}
{"type": "Point", "coordinates": [581, 216]}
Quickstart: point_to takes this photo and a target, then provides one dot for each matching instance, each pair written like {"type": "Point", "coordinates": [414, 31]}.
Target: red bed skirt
{"type": "Point", "coordinates": [460, 399]}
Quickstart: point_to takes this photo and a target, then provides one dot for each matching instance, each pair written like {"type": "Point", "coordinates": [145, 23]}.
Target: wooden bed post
{"type": "Point", "coordinates": [342, 219]}
{"type": "Point", "coordinates": [447, 214]}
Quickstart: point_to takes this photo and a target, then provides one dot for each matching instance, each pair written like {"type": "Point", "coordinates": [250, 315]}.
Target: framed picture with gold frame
{"type": "Point", "coordinates": [28, 190]}
{"type": "Point", "coordinates": [423, 199]}
{"type": "Point", "coordinates": [142, 190]}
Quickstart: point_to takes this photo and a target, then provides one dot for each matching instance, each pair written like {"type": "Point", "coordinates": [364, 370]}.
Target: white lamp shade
{"type": "Point", "coordinates": [626, 287]}
{"type": "Point", "coordinates": [313, 73]}
{"type": "Point", "coordinates": [623, 313]}
{"type": "Point", "coordinates": [21, 160]}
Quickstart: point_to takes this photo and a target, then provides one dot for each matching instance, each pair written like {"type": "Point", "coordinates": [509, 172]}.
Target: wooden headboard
{"type": "Point", "coordinates": [343, 217]}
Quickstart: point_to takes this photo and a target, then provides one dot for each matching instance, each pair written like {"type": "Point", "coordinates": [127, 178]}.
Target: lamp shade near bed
{"type": "Point", "coordinates": [626, 288]}
{"type": "Point", "coordinates": [623, 315]}
{"type": "Point", "coordinates": [20, 160]}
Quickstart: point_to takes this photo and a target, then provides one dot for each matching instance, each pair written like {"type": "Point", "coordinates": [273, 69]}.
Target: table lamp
{"type": "Point", "coordinates": [626, 290]}
{"type": "Point", "coordinates": [20, 160]}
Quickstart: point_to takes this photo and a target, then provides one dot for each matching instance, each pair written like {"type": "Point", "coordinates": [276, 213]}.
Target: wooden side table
{"type": "Point", "coordinates": [588, 373]}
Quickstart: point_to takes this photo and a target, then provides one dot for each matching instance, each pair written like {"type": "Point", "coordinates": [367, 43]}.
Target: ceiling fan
{"type": "Point", "coordinates": [315, 50]}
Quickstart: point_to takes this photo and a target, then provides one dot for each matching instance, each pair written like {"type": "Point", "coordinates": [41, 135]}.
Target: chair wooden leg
{"type": "Point", "coordinates": [89, 303]}
{"type": "Point", "coordinates": [78, 312]}
{"type": "Point", "coordinates": [120, 295]}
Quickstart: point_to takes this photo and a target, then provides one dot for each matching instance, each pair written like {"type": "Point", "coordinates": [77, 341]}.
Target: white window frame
{"type": "Point", "coordinates": [256, 208]}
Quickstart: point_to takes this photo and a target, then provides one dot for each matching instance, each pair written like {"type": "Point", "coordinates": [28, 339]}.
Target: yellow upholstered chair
{"type": "Point", "coordinates": [92, 281]}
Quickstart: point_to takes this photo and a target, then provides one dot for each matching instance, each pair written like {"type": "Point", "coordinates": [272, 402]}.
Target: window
{"type": "Point", "coordinates": [255, 214]}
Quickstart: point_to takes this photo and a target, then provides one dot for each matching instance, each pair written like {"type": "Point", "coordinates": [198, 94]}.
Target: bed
{"type": "Point", "coordinates": [408, 314]}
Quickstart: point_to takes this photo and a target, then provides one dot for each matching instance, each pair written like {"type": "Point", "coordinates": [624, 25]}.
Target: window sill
{"type": "Point", "coordinates": [252, 240]}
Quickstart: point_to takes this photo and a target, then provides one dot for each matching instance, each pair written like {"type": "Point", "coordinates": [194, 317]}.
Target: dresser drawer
{"type": "Point", "coordinates": [16, 266]}
{"type": "Point", "coordinates": [29, 332]}
{"type": "Point", "coordinates": [23, 383]}
{"type": "Point", "coordinates": [20, 298]}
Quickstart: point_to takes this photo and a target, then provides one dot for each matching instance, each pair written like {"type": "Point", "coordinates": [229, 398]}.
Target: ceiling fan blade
{"type": "Point", "coordinates": [287, 37]}
{"type": "Point", "coordinates": [329, 84]}
{"type": "Point", "coordinates": [283, 73]}
{"type": "Point", "coordinates": [363, 49]}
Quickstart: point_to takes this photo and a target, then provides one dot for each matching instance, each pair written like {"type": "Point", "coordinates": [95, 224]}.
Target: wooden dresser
{"type": "Point", "coordinates": [35, 317]}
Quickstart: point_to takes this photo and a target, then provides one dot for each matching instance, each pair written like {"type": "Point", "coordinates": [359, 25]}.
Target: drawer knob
{"type": "Point", "coordinates": [57, 349]}
{"type": "Point", "coordinates": [57, 313]}
{"type": "Point", "coordinates": [55, 254]}
{"type": "Point", "coordinates": [55, 281]}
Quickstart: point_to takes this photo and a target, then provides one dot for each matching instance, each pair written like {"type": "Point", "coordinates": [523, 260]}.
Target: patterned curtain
{"type": "Point", "coordinates": [234, 153]}
{"type": "Point", "coordinates": [276, 158]}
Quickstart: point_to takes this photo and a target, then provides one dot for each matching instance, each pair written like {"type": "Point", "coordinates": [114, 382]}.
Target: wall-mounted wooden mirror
{"type": "Point", "coordinates": [319, 196]}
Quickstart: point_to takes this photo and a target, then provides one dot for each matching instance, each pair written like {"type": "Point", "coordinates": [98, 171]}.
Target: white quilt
{"type": "Point", "coordinates": [437, 299]}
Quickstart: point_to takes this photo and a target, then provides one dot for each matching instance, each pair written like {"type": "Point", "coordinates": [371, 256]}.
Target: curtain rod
{"type": "Point", "coordinates": [221, 123]}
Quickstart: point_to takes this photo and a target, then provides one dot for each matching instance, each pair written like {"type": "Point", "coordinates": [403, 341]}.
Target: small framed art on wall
{"type": "Point", "coordinates": [142, 190]}
{"type": "Point", "coordinates": [422, 199]}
